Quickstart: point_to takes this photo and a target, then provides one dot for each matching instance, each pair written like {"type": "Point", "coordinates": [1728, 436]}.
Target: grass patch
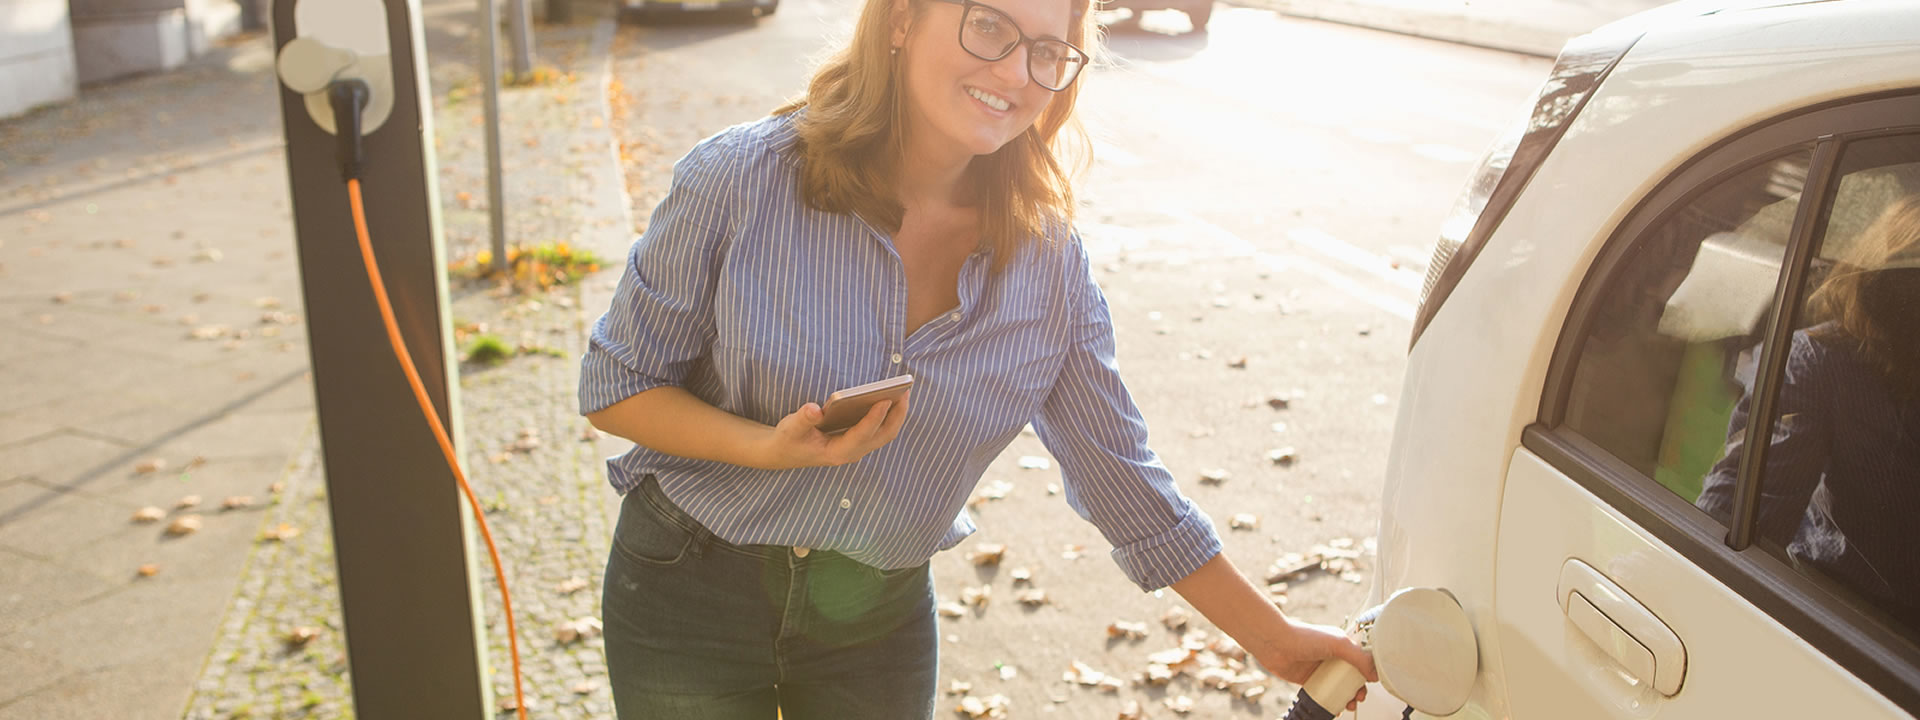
{"type": "Point", "coordinates": [488, 350]}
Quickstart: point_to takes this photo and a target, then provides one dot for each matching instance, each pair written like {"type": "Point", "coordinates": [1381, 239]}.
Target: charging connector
{"type": "Point", "coordinates": [349, 99]}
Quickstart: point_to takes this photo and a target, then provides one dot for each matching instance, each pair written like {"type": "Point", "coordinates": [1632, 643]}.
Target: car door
{"type": "Point", "coordinates": [1687, 531]}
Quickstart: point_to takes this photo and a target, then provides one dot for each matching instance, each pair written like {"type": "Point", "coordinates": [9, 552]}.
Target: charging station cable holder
{"type": "Point", "coordinates": [339, 40]}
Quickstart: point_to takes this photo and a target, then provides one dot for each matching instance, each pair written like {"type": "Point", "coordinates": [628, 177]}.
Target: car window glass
{"type": "Point", "coordinates": [1674, 339]}
{"type": "Point", "coordinates": [1841, 478]}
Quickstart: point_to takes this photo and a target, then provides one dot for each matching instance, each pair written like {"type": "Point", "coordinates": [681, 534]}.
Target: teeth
{"type": "Point", "coordinates": [991, 101]}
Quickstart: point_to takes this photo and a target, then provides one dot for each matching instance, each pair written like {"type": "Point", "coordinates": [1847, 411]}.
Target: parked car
{"type": "Point", "coordinates": [1198, 11]}
{"type": "Point", "coordinates": [648, 9]}
{"type": "Point", "coordinates": [1658, 433]}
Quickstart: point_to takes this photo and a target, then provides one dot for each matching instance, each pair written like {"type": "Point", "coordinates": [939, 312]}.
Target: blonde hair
{"type": "Point", "coordinates": [1874, 306]}
{"type": "Point", "coordinates": [852, 141]}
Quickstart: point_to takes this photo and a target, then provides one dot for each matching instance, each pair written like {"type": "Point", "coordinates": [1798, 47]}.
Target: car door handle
{"type": "Point", "coordinates": [1623, 628]}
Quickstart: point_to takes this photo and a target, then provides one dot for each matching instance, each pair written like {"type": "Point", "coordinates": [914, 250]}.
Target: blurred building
{"type": "Point", "coordinates": [49, 48]}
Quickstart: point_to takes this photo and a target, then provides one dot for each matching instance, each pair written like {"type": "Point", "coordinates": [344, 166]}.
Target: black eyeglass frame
{"type": "Point", "coordinates": [966, 8]}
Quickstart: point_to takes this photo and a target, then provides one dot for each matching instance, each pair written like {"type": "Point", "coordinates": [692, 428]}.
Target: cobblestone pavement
{"type": "Point", "coordinates": [532, 461]}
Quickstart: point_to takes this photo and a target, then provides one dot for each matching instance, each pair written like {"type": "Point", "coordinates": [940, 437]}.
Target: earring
{"type": "Point", "coordinates": [895, 51]}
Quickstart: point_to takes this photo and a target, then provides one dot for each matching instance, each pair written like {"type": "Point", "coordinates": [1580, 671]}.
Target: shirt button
{"type": "Point", "coordinates": [845, 503]}
{"type": "Point", "coordinates": [954, 317]}
{"type": "Point", "coordinates": [897, 358]}
{"type": "Point", "coordinates": [799, 552]}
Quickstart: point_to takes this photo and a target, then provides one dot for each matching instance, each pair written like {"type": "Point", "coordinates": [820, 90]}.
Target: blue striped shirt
{"type": "Point", "coordinates": [744, 296]}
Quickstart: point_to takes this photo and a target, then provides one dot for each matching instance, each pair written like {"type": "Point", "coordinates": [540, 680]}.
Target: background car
{"type": "Point", "coordinates": [1198, 11]}
{"type": "Point", "coordinates": [1634, 439]}
{"type": "Point", "coordinates": [640, 10]}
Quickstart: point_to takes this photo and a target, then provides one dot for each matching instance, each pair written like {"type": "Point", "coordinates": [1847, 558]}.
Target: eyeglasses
{"type": "Point", "coordinates": [991, 35]}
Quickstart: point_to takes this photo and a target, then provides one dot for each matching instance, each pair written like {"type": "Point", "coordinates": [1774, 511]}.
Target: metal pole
{"type": "Point", "coordinates": [401, 536]}
{"type": "Point", "coordinates": [490, 75]}
{"type": "Point", "coordinates": [520, 16]}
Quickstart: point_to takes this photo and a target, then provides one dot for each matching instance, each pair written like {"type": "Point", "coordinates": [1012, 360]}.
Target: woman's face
{"type": "Point", "coordinates": [954, 97]}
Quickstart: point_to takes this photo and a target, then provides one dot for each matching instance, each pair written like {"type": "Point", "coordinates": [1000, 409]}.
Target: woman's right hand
{"type": "Point", "coordinates": [797, 441]}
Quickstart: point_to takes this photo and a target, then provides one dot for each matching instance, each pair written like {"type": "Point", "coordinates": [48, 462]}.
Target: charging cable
{"type": "Point", "coordinates": [348, 98]}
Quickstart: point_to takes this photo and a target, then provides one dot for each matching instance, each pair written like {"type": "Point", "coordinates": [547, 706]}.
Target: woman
{"type": "Point", "coordinates": [1838, 491]}
{"type": "Point", "coordinates": [909, 215]}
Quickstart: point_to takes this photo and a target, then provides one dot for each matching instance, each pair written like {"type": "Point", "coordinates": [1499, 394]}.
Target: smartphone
{"type": "Point", "coordinates": [845, 408]}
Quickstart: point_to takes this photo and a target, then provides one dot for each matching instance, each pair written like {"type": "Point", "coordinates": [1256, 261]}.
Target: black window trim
{"type": "Point", "coordinates": [1860, 642]}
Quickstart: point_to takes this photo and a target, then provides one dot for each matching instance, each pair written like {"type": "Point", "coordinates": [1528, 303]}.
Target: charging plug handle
{"type": "Point", "coordinates": [349, 99]}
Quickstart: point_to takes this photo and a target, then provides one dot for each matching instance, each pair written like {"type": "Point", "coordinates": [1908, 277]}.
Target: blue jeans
{"type": "Point", "coordinates": [701, 629]}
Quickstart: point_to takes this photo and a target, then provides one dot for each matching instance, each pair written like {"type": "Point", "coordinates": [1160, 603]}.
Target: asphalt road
{"type": "Point", "coordinates": [1267, 190]}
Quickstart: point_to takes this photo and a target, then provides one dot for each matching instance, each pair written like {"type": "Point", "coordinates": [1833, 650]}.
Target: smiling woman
{"type": "Point", "coordinates": [911, 215]}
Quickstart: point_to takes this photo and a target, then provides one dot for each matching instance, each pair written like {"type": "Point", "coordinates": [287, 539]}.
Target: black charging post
{"type": "Point", "coordinates": [401, 532]}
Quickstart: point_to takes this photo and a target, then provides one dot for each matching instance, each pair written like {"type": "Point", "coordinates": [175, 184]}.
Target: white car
{"type": "Point", "coordinates": [1633, 286]}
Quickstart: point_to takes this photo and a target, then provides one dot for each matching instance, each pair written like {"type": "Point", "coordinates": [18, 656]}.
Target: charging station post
{"type": "Point", "coordinates": [401, 536]}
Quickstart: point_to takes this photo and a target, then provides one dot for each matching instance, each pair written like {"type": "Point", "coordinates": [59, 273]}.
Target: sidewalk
{"type": "Point", "coordinates": [152, 306]}
{"type": "Point", "coordinates": [1533, 27]}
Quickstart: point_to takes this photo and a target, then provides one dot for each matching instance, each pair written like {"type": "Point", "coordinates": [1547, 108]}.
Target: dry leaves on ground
{"type": "Point", "coordinates": [986, 554]}
{"type": "Point", "coordinates": [150, 465]}
{"type": "Point", "coordinates": [184, 525]}
{"type": "Point", "coordinates": [576, 630]}
{"type": "Point", "coordinates": [149, 515]}
{"type": "Point", "coordinates": [280, 533]}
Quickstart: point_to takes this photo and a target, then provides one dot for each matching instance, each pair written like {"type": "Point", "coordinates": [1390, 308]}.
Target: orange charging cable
{"type": "Point", "coordinates": [439, 431]}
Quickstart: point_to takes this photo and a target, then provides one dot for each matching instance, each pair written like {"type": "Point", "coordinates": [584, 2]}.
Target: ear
{"type": "Point", "coordinates": [902, 22]}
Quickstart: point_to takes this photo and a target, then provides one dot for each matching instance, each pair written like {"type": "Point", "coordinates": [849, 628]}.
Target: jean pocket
{"type": "Point", "coordinates": [645, 536]}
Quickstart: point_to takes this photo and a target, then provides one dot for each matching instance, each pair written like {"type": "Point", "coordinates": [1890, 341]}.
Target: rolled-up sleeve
{"type": "Point", "coordinates": [1090, 423]}
{"type": "Point", "coordinates": [661, 321]}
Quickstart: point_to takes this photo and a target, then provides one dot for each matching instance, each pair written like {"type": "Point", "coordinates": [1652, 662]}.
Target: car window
{"type": "Point", "coordinates": [1673, 342]}
{"type": "Point", "coordinates": [1841, 475]}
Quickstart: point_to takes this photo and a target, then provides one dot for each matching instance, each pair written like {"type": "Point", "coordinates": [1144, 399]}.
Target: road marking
{"type": "Point", "coordinates": [1225, 244]}
{"type": "Point", "coordinates": [1379, 266]}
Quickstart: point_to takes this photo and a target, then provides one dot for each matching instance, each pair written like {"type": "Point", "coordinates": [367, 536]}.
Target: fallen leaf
{"type": "Point", "coordinates": [1033, 597]}
{"type": "Point", "coordinates": [1215, 476]}
{"type": "Point", "coordinates": [1180, 704]}
{"type": "Point", "coordinates": [1283, 456]}
{"type": "Point", "coordinates": [281, 533]}
{"type": "Point", "coordinates": [187, 502]}
{"type": "Point", "coordinates": [992, 707]}
{"type": "Point", "coordinates": [1053, 489]}
{"type": "Point", "coordinates": [208, 332]}
{"type": "Point", "coordinates": [184, 525]}
{"type": "Point", "coordinates": [976, 597]}
{"type": "Point", "coordinates": [151, 465]}
{"type": "Point", "coordinates": [300, 636]}
{"type": "Point", "coordinates": [1083, 674]}
{"type": "Point", "coordinates": [1278, 402]}
{"type": "Point", "coordinates": [62, 298]}
{"type": "Point", "coordinates": [197, 461]}
{"type": "Point", "coordinates": [584, 687]}
{"type": "Point", "coordinates": [149, 515]}
{"type": "Point", "coordinates": [528, 439]}
{"type": "Point", "coordinates": [266, 302]}
{"type": "Point", "coordinates": [1127, 630]}
{"type": "Point", "coordinates": [572, 586]}
{"type": "Point", "coordinates": [1158, 674]}
{"type": "Point", "coordinates": [1174, 618]}
{"type": "Point", "coordinates": [237, 502]}
{"type": "Point", "coordinates": [1009, 672]}
{"type": "Point", "coordinates": [1131, 711]}
{"type": "Point", "coordinates": [1073, 552]}
{"type": "Point", "coordinates": [577, 629]}
{"type": "Point", "coordinates": [959, 688]}
{"type": "Point", "coordinates": [986, 554]}
{"type": "Point", "coordinates": [1035, 462]}
{"type": "Point", "coordinates": [277, 488]}
{"type": "Point", "coordinates": [1022, 575]}
{"type": "Point", "coordinates": [1244, 521]}
{"type": "Point", "coordinates": [952, 609]}
{"type": "Point", "coordinates": [149, 570]}
{"type": "Point", "coordinates": [1239, 363]}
